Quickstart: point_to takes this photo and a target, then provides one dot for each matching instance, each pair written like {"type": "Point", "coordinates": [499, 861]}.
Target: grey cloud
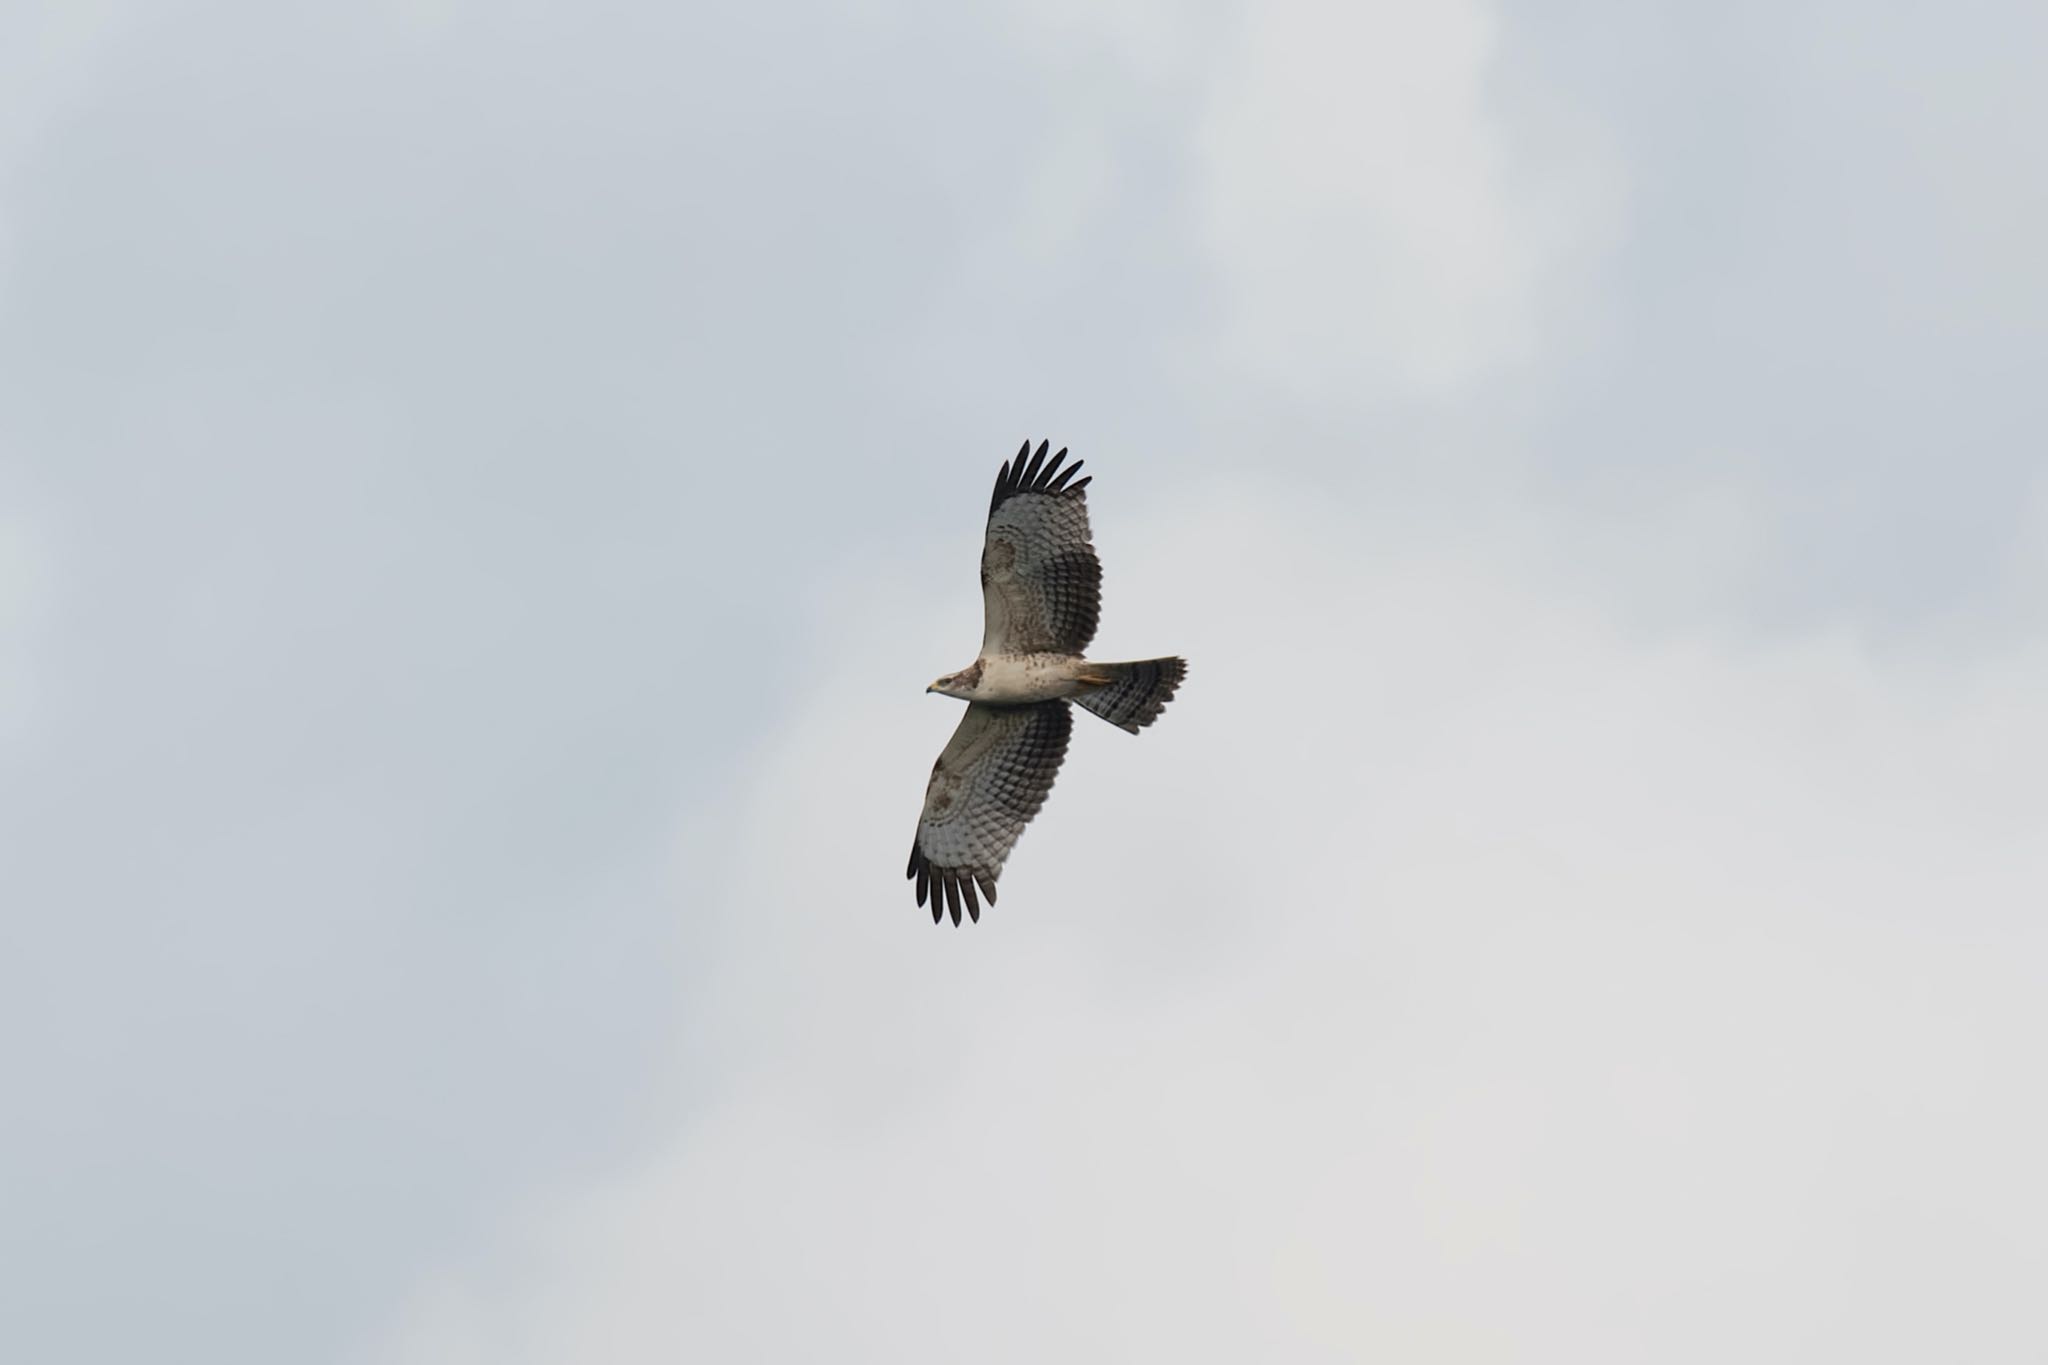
{"type": "Point", "coordinates": [1489, 983]}
{"type": "Point", "coordinates": [442, 436]}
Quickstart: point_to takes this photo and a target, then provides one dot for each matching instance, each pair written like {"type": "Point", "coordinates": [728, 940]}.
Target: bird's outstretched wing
{"type": "Point", "coordinates": [986, 786]}
{"type": "Point", "coordinates": [1041, 584]}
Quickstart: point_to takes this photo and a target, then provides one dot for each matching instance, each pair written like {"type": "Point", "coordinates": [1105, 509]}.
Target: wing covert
{"type": "Point", "coordinates": [987, 784]}
{"type": "Point", "coordinates": [1041, 583]}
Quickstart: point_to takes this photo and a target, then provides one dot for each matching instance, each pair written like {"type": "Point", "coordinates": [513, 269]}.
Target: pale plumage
{"type": "Point", "coordinates": [1041, 599]}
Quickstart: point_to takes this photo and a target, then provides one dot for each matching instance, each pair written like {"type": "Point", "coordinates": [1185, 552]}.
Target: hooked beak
{"type": "Point", "coordinates": [933, 688]}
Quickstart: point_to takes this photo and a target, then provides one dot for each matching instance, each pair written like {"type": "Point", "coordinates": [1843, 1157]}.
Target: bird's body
{"type": "Point", "coordinates": [1041, 597]}
{"type": "Point", "coordinates": [1021, 679]}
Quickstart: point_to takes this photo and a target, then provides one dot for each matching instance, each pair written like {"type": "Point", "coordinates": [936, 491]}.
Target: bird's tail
{"type": "Point", "coordinates": [1131, 696]}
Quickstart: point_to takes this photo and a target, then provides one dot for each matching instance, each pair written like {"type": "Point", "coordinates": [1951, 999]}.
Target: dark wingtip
{"type": "Point", "coordinates": [1028, 472]}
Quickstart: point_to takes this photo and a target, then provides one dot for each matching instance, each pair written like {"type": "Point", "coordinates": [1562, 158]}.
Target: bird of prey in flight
{"type": "Point", "coordinates": [1041, 594]}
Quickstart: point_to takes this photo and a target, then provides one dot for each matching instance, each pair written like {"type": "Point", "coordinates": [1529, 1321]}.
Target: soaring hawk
{"type": "Point", "coordinates": [1041, 594]}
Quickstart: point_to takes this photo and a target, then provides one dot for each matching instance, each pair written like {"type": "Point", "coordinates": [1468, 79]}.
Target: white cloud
{"type": "Point", "coordinates": [1452, 975]}
{"type": "Point", "coordinates": [1374, 221]}
{"type": "Point", "coordinates": [1376, 206]}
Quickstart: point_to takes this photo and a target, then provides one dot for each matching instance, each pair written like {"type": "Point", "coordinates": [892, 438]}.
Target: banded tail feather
{"type": "Point", "coordinates": [1136, 692]}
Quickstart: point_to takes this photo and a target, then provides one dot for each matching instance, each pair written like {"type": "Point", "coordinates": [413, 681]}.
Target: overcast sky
{"type": "Point", "coordinates": [483, 488]}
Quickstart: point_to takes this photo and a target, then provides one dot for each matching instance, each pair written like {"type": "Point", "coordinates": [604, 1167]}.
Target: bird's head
{"type": "Point", "coordinates": [961, 684]}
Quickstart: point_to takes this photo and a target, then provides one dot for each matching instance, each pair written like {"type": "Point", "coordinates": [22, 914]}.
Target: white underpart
{"type": "Point", "coordinates": [1018, 679]}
